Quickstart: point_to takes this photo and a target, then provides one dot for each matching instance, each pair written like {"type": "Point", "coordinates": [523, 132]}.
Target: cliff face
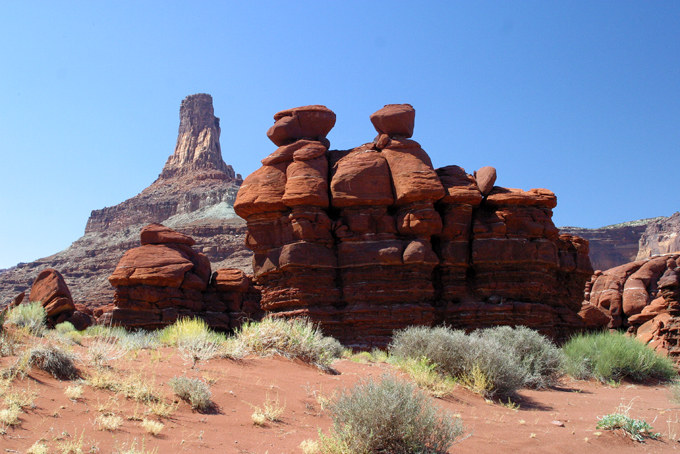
{"type": "Point", "coordinates": [660, 237]}
{"type": "Point", "coordinates": [194, 194]}
{"type": "Point", "coordinates": [373, 239]}
{"type": "Point", "coordinates": [617, 244]}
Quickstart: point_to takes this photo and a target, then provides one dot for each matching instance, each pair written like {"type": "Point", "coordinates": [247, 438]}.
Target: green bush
{"type": "Point", "coordinates": [29, 315]}
{"type": "Point", "coordinates": [390, 416]}
{"type": "Point", "coordinates": [480, 363]}
{"type": "Point", "coordinates": [541, 360]}
{"type": "Point", "coordinates": [637, 429]}
{"type": "Point", "coordinates": [294, 338]}
{"type": "Point", "coordinates": [193, 390]}
{"type": "Point", "coordinates": [614, 356]}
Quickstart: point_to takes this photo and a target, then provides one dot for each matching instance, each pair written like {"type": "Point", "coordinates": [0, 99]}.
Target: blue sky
{"type": "Point", "coordinates": [582, 98]}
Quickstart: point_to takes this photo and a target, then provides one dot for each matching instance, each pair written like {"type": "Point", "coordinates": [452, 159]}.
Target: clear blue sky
{"type": "Point", "coordinates": [582, 98]}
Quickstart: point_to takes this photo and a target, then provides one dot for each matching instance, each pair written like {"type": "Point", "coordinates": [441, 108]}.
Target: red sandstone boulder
{"type": "Point", "coordinates": [230, 279]}
{"type": "Point", "coordinates": [486, 178]}
{"type": "Point", "coordinates": [160, 234]}
{"type": "Point", "coordinates": [262, 191]}
{"type": "Point", "coordinates": [593, 316]}
{"type": "Point", "coordinates": [308, 122]}
{"type": "Point", "coordinates": [361, 179]}
{"type": "Point", "coordinates": [51, 290]}
{"type": "Point", "coordinates": [395, 120]}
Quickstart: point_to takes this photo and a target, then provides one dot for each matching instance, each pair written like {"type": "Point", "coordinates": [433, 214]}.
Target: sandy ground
{"type": "Point", "coordinates": [559, 420]}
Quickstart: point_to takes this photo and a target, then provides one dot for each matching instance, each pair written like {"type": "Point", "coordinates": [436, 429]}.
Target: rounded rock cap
{"type": "Point", "coordinates": [306, 122]}
{"type": "Point", "coordinates": [395, 120]}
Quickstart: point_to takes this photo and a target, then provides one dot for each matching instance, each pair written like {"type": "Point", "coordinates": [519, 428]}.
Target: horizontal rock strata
{"type": "Point", "coordinates": [373, 239]}
{"type": "Point", "coordinates": [165, 279]}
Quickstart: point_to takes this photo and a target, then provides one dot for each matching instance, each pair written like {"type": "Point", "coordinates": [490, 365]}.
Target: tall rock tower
{"type": "Point", "coordinates": [193, 194]}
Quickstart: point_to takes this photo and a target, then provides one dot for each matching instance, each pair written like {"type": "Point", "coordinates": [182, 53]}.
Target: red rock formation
{"type": "Point", "coordinates": [165, 279]}
{"type": "Point", "coordinates": [193, 194]}
{"type": "Point", "coordinates": [374, 238]}
{"type": "Point", "coordinates": [642, 297]}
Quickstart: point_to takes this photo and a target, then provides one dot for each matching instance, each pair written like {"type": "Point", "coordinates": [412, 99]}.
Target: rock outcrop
{"type": "Point", "coordinates": [619, 244]}
{"type": "Point", "coordinates": [194, 194]}
{"type": "Point", "coordinates": [642, 297]}
{"type": "Point", "coordinates": [373, 239]}
{"type": "Point", "coordinates": [660, 237]}
{"type": "Point", "coordinates": [165, 279]}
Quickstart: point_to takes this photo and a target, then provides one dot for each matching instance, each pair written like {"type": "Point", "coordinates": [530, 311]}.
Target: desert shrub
{"type": "Point", "coordinates": [65, 327]}
{"type": "Point", "coordinates": [140, 340]}
{"type": "Point", "coordinates": [389, 416]}
{"type": "Point", "coordinates": [30, 316]}
{"type": "Point", "coordinates": [8, 343]}
{"type": "Point", "coordinates": [192, 390]}
{"type": "Point", "coordinates": [542, 361]}
{"type": "Point", "coordinates": [294, 338]}
{"type": "Point", "coordinates": [480, 363]}
{"type": "Point", "coordinates": [614, 356]}
{"type": "Point", "coordinates": [637, 429]}
{"type": "Point", "coordinates": [55, 361]}
{"type": "Point", "coordinates": [187, 329]}
{"type": "Point", "coordinates": [105, 331]}
{"type": "Point", "coordinates": [424, 373]}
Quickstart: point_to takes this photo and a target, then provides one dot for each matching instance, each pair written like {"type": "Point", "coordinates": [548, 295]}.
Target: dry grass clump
{"type": "Point", "coordinates": [152, 427]}
{"type": "Point", "coordinates": [293, 338]}
{"type": "Point", "coordinates": [50, 358]}
{"type": "Point", "coordinates": [194, 339]}
{"type": "Point", "coordinates": [270, 411]}
{"type": "Point", "coordinates": [109, 422]}
{"type": "Point", "coordinates": [135, 386]}
{"type": "Point", "coordinates": [387, 416]}
{"type": "Point", "coordinates": [38, 448]}
{"type": "Point", "coordinates": [194, 391]}
{"type": "Point", "coordinates": [74, 392]}
{"type": "Point", "coordinates": [10, 416]}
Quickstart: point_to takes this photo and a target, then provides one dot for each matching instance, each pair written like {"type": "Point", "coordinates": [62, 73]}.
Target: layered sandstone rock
{"type": "Point", "coordinates": [618, 244]}
{"type": "Point", "coordinates": [165, 279]}
{"type": "Point", "coordinates": [194, 194]}
{"type": "Point", "coordinates": [642, 297]}
{"type": "Point", "coordinates": [373, 239]}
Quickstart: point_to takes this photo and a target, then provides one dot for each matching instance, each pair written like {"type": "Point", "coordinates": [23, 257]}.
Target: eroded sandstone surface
{"type": "Point", "coordinates": [165, 278]}
{"type": "Point", "coordinates": [373, 239]}
{"type": "Point", "coordinates": [194, 194]}
{"type": "Point", "coordinates": [641, 296]}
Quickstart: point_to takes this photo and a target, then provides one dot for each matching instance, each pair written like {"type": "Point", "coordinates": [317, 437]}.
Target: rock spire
{"type": "Point", "coordinates": [198, 142]}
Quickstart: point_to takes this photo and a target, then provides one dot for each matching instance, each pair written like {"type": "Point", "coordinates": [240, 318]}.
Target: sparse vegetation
{"type": "Point", "coordinates": [55, 361]}
{"type": "Point", "coordinates": [296, 338]}
{"type": "Point", "coordinates": [152, 427]}
{"type": "Point", "coordinates": [38, 448]}
{"type": "Point", "coordinates": [424, 373]}
{"type": "Point", "coordinates": [387, 416]}
{"type": "Point", "coordinates": [270, 411]}
{"type": "Point", "coordinates": [104, 349]}
{"type": "Point", "coordinates": [542, 362]}
{"type": "Point", "coordinates": [30, 316]}
{"type": "Point", "coordinates": [74, 392]}
{"type": "Point", "coordinates": [194, 391]}
{"type": "Point", "coordinates": [613, 357]}
{"type": "Point", "coordinates": [480, 363]}
{"type": "Point", "coordinates": [637, 429]}
{"type": "Point", "coordinates": [109, 422]}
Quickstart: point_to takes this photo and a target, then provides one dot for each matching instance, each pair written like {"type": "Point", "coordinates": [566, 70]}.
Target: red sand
{"type": "Point", "coordinates": [237, 387]}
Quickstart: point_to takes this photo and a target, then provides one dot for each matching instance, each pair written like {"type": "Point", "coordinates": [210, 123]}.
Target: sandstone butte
{"type": "Point", "coordinates": [642, 297]}
{"type": "Point", "coordinates": [373, 239]}
{"type": "Point", "coordinates": [165, 279]}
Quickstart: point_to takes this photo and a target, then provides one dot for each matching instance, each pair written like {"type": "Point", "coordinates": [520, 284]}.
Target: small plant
{"type": "Point", "coordinates": [424, 373]}
{"type": "Point", "coordinates": [192, 390]}
{"type": "Point", "coordinates": [109, 422]}
{"type": "Point", "coordinates": [10, 416]}
{"type": "Point", "coordinates": [139, 340]}
{"type": "Point", "coordinates": [8, 343]}
{"type": "Point", "coordinates": [271, 411]}
{"type": "Point", "coordinates": [152, 427]}
{"type": "Point", "coordinates": [637, 429]}
{"type": "Point", "coordinates": [30, 316]}
{"type": "Point", "coordinates": [614, 356]}
{"type": "Point", "coordinates": [295, 338]}
{"type": "Point", "coordinates": [388, 416]}
{"type": "Point", "coordinates": [38, 448]}
{"type": "Point", "coordinates": [55, 361]}
{"type": "Point", "coordinates": [71, 445]}
{"type": "Point", "coordinates": [21, 399]}
{"type": "Point", "coordinates": [74, 392]}
{"type": "Point", "coordinates": [104, 349]}
{"type": "Point", "coordinates": [162, 409]}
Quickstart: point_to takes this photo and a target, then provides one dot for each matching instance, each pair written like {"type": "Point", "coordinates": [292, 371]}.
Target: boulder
{"type": "Point", "coordinates": [485, 178]}
{"type": "Point", "coordinates": [395, 120]}
{"type": "Point", "coordinates": [50, 289]}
